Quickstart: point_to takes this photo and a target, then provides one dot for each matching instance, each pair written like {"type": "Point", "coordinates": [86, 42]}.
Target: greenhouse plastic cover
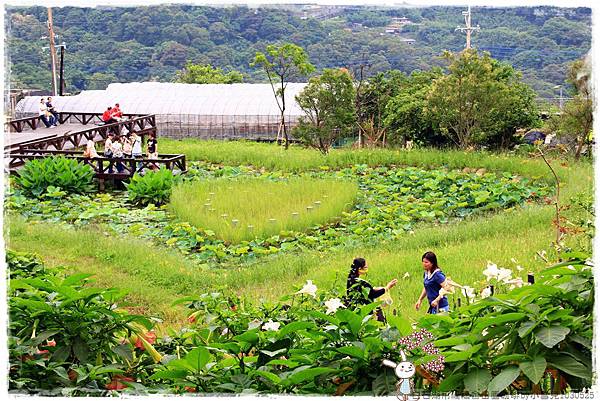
{"type": "Point", "coordinates": [176, 98]}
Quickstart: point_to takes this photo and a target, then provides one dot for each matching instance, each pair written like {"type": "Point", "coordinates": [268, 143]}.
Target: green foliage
{"type": "Point", "coordinates": [480, 101]}
{"type": "Point", "coordinates": [206, 74]}
{"type": "Point", "coordinates": [282, 63]}
{"type": "Point", "coordinates": [155, 42]}
{"type": "Point", "coordinates": [523, 336]}
{"type": "Point", "coordinates": [405, 113]}
{"type": "Point", "coordinates": [242, 209]}
{"type": "Point", "coordinates": [65, 334]}
{"type": "Point", "coordinates": [291, 346]}
{"type": "Point", "coordinates": [153, 187]}
{"type": "Point", "coordinates": [576, 119]}
{"type": "Point", "coordinates": [391, 203]}
{"type": "Point", "coordinates": [53, 174]}
{"type": "Point", "coordinates": [328, 104]}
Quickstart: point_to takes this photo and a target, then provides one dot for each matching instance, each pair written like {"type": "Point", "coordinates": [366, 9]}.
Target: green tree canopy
{"type": "Point", "coordinates": [576, 120]}
{"type": "Point", "coordinates": [206, 74]}
{"type": "Point", "coordinates": [328, 101]}
{"type": "Point", "coordinates": [282, 63]}
{"type": "Point", "coordinates": [480, 101]}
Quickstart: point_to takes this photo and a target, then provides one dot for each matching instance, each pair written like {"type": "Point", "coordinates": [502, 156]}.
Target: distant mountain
{"type": "Point", "coordinates": [124, 44]}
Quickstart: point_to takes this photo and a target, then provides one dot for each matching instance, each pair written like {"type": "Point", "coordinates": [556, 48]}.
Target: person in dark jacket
{"type": "Point", "coordinates": [361, 292]}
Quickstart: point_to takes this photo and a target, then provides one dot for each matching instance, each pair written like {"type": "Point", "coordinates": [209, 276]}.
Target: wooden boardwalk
{"type": "Point", "coordinates": [27, 141]}
{"type": "Point", "coordinates": [12, 140]}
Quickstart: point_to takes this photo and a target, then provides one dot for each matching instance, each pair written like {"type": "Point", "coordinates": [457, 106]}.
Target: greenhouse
{"type": "Point", "coordinates": [209, 111]}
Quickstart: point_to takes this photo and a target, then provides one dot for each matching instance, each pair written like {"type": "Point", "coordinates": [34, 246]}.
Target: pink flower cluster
{"type": "Point", "coordinates": [422, 339]}
{"type": "Point", "coordinates": [437, 365]}
{"type": "Point", "coordinates": [416, 339]}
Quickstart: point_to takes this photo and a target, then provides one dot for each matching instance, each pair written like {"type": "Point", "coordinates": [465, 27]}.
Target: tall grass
{"type": "Point", "coordinates": [244, 209]}
{"type": "Point", "coordinates": [296, 158]}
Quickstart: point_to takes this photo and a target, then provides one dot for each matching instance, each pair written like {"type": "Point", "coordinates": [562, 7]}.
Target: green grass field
{"type": "Point", "coordinates": [155, 276]}
{"type": "Point", "coordinates": [244, 209]}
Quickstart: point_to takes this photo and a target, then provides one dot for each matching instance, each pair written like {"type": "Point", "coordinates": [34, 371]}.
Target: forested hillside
{"type": "Point", "coordinates": [111, 44]}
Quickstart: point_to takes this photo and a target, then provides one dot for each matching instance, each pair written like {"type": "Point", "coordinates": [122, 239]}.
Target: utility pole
{"type": "Point", "coordinates": [52, 52]}
{"type": "Point", "coordinates": [61, 88]}
{"type": "Point", "coordinates": [468, 28]}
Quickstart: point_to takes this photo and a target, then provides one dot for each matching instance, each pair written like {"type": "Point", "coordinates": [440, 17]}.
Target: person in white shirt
{"type": "Point", "coordinates": [44, 114]}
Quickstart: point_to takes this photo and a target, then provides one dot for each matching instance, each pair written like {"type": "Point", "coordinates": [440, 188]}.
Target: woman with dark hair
{"type": "Point", "coordinates": [433, 281]}
{"type": "Point", "coordinates": [360, 291]}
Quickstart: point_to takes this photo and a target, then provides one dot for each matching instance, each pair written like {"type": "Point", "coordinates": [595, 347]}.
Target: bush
{"type": "Point", "coordinates": [67, 174]}
{"type": "Point", "coordinates": [66, 338]}
{"type": "Point", "coordinates": [153, 187]}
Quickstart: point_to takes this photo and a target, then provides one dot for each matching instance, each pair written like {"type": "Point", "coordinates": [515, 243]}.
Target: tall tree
{"type": "Point", "coordinates": [576, 120]}
{"type": "Point", "coordinates": [328, 101]}
{"type": "Point", "coordinates": [206, 74]}
{"type": "Point", "coordinates": [282, 63]}
{"type": "Point", "coordinates": [476, 100]}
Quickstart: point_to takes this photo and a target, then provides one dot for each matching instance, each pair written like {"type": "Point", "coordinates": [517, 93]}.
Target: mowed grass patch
{"type": "Point", "coordinates": [244, 209]}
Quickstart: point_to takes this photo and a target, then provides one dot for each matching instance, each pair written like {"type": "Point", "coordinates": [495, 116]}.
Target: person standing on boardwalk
{"type": "Point", "coordinates": [153, 149]}
{"type": "Point", "coordinates": [361, 292]}
{"type": "Point", "coordinates": [136, 149]}
{"type": "Point", "coordinates": [433, 281]}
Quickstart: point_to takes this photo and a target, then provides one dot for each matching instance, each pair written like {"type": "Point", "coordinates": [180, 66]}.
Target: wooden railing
{"type": "Point", "coordinates": [104, 167]}
{"type": "Point", "coordinates": [17, 125]}
{"type": "Point", "coordinates": [142, 125]}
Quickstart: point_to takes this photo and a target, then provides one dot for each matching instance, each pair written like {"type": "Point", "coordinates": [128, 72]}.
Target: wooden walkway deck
{"type": "Point", "coordinates": [28, 141]}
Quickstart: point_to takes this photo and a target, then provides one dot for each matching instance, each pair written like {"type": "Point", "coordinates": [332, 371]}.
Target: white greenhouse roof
{"type": "Point", "coordinates": [175, 98]}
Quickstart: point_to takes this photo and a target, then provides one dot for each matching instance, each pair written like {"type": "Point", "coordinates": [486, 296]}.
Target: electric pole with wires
{"type": "Point", "coordinates": [52, 52]}
{"type": "Point", "coordinates": [468, 28]}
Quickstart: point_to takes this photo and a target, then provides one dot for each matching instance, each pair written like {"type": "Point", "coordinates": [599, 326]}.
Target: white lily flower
{"type": "Point", "coordinates": [504, 274]}
{"type": "Point", "coordinates": [491, 271]}
{"type": "Point", "coordinates": [271, 325]}
{"type": "Point", "coordinates": [254, 324]}
{"type": "Point", "coordinates": [486, 292]}
{"type": "Point", "coordinates": [309, 288]}
{"type": "Point", "coordinates": [515, 283]}
{"type": "Point", "coordinates": [406, 275]}
{"type": "Point", "coordinates": [333, 305]}
{"type": "Point", "coordinates": [468, 292]}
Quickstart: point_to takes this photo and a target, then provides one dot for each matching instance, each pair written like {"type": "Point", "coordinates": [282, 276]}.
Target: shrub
{"type": "Point", "coordinates": [153, 187]}
{"type": "Point", "coordinates": [66, 337]}
{"type": "Point", "coordinates": [67, 174]}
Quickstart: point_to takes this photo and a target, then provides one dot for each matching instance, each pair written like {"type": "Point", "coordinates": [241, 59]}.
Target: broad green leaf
{"type": "Point", "coordinates": [352, 351]}
{"type": "Point", "coordinates": [250, 337]}
{"type": "Point", "coordinates": [198, 358]}
{"type": "Point", "coordinates": [169, 374]}
{"type": "Point", "coordinates": [267, 375]}
{"type": "Point", "coordinates": [44, 336]}
{"type": "Point", "coordinates": [477, 381]}
{"type": "Point", "coordinates": [526, 328]}
{"type": "Point", "coordinates": [550, 336]}
{"type": "Point", "coordinates": [451, 382]}
{"type": "Point", "coordinates": [512, 358]}
{"type": "Point", "coordinates": [308, 374]}
{"type": "Point", "coordinates": [534, 369]}
{"type": "Point", "coordinates": [503, 380]}
{"type": "Point", "coordinates": [570, 366]}
{"type": "Point", "coordinates": [457, 356]}
{"type": "Point", "coordinates": [293, 327]}
{"type": "Point", "coordinates": [446, 342]}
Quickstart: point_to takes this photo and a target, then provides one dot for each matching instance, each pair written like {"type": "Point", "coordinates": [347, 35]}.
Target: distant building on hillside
{"type": "Point", "coordinates": [395, 27]}
{"type": "Point", "coordinates": [211, 111]}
